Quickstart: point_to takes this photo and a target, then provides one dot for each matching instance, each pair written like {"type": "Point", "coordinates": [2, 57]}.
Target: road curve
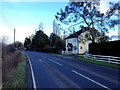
{"type": "Point", "coordinates": [56, 71]}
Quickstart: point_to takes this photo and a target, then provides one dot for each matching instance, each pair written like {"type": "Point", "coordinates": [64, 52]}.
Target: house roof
{"type": "Point", "coordinates": [76, 34]}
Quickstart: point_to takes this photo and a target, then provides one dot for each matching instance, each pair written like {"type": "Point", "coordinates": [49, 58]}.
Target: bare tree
{"type": "Point", "coordinates": [40, 26]}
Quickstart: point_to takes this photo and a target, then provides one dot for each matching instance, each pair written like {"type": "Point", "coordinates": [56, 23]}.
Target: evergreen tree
{"type": "Point", "coordinates": [27, 43]}
{"type": "Point", "coordinates": [56, 42]}
{"type": "Point", "coordinates": [40, 41]}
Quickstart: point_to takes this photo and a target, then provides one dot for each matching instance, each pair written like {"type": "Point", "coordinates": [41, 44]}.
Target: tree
{"type": "Point", "coordinates": [88, 14]}
{"type": "Point", "coordinates": [56, 42]}
{"type": "Point", "coordinates": [19, 45]}
{"type": "Point", "coordinates": [56, 29]}
{"type": "Point", "coordinates": [114, 11]}
{"type": "Point", "coordinates": [27, 43]}
{"type": "Point", "coordinates": [6, 48]}
{"type": "Point", "coordinates": [4, 39]}
{"type": "Point", "coordinates": [40, 26]}
{"type": "Point", "coordinates": [40, 41]}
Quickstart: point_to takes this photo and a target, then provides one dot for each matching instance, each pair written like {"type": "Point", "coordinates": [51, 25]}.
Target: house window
{"type": "Point", "coordinates": [81, 47]}
{"type": "Point", "coordinates": [75, 48]}
{"type": "Point", "coordinates": [70, 47]}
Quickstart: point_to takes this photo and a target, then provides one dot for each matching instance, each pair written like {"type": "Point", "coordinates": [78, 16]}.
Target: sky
{"type": "Point", "coordinates": [25, 16]}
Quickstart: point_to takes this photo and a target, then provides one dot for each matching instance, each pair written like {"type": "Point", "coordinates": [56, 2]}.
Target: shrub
{"type": "Point", "coordinates": [105, 48]}
{"type": "Point", "coordinates": [10, 59]}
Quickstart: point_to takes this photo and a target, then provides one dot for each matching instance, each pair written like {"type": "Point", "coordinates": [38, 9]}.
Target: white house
{"type": "Point", "coordinates": [77, 43]}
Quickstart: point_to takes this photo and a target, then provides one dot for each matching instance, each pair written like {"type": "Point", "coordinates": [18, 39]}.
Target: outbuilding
{"type": "Point", "coordinates": [77, 43]}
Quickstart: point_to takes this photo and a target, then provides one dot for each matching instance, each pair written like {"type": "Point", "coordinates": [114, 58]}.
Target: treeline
{"type": "Point", "coordinates": [41, 42]}
{"type": "Point", "coordinates": [105, 48]}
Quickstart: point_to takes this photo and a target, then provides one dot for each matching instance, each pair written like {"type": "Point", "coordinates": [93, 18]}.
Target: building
{"type": "Point", "coordinates": [76, 43]}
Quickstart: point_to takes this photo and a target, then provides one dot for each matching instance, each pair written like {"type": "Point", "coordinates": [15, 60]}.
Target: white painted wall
{"type": "Point", "coordinates": [85, 47]}
{"type": "Point", "coordinates": [74, 42]}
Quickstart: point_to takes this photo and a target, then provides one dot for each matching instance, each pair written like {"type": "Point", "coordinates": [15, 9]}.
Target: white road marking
{"type": "Point", "coordinates": [33, 77]}
{"type": "Point", "coordinates": [55, 62]}
{"type": "Point", "coordinates": [91, 80]}
{"type": "Point", "coordinates": [44, 57]}
{"type": "Point", "coordinates": [40, 60]}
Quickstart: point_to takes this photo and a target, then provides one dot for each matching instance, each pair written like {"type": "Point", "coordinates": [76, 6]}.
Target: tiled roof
{"type": "Point", "coordinates": [76, 34]}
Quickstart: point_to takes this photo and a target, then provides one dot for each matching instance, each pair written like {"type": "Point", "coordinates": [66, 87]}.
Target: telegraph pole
{"type": "Point", "coordinates": [14, 37]}
{"type": "Point", "coordinates": [118, 25]}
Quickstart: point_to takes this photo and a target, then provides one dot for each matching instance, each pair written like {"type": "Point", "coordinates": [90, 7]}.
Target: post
{"type": "Point", "coordinates": [118, 25]}
{"type": "Point", "coordinates": [109, 58]}
{"type": "Point", "coordinates": [94, 57]}
{"type": "Point", "coordinates": [1, 57]}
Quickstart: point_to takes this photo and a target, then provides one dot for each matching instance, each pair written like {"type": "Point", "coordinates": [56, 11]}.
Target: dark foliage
{"type": "Point", "coordinates": [19, 45]}
{"type": "Point", "coordinates": [8, 48]}
{"type": "Point", "coordinates": [27, 43]}
{"type": "Point", "coordinates": [56, 43]}
{"type": "Point", "coordinates": [106, 48]}
{"type": "Point", "coordinates": [39, 41]}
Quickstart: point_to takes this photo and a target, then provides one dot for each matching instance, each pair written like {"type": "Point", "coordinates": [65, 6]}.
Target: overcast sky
{"type": "Point", "coordinates": [26, 16]}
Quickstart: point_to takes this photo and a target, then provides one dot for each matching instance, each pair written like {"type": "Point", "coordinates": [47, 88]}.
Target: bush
{"type": "Point", "coordinates": [10, 59]}
{"type": "Point", "coordinates": [107, 48]}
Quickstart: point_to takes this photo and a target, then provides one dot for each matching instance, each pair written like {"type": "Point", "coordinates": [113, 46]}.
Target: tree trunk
{"type": "Point", "coordinates": [92, 34]}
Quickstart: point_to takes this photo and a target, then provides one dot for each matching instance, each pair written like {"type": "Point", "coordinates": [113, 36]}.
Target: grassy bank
{"type": "Point", "coordinates": [111, 65]}
{"type": "Point", "coordinates": [19, 77]}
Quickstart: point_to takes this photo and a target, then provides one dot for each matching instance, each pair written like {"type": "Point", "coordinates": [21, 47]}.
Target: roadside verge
{"type": "Point", "coordinates": [19, 77]}
{"type": "Point", "coordinates": [106, 64]}
{"type": "Point", "coordinates": [31, 70]}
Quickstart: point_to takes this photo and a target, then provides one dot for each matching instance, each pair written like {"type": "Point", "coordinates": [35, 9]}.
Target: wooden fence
{"type": "Point", "coordinates": [110, 59]}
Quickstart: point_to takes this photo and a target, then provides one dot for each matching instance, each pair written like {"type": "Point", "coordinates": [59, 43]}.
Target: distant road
{"type": "Point", "coordinates": [56, 71]}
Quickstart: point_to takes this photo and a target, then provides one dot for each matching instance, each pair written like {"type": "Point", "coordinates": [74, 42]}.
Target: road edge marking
{"type": "Point", "coordinates": [33, 77]}
{"type": "Point", "coordinates": [91, 80]}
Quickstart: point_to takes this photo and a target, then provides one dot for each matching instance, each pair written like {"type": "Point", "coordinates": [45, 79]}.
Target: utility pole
{"type": "Point", "coordinates": [14, 37]}
{"type": "Point", "coordinates": [118, 25]}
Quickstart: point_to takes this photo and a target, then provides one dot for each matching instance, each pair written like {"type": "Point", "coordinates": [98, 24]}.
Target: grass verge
{"type": "Point", "coordinates": [19, 77]}
{"type": "Point", "coordinates": [111, 65]}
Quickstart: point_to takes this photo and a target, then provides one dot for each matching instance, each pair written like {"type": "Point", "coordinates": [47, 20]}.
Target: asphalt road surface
{"type": "Point", "coordinates": [57, 71]}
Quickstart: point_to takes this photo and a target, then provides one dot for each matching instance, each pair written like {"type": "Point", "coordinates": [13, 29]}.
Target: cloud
{"type": "Point", "coordinates": [114, 37]}
{"type": "Point", "coordinates": [7, 32]}
{"type": "Point", "coordinates": [104, 6]}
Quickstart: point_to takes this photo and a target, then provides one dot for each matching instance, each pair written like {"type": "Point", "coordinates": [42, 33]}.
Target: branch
{"type": "Point", "coordinates": [84, 16]}
{"type": "Point", "coordinates": [76, 24]}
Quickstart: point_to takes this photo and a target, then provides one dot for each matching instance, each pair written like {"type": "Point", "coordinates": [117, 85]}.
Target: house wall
{"type": "Point", "coordinates": [74, 42]}
{"type": "Point", "coordinates": [83, 43]}
{"type": "Point", "coordinates": [81, 46]}
{"type": "Point", "coordinates": [84, 47]}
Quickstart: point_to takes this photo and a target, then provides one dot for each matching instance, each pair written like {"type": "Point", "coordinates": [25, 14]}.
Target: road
{"type": "Point", "coordinates": [56, 71]}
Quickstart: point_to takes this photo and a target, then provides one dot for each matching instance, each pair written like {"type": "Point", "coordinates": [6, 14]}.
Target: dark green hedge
{"type": "Point", "coordinates": [106, 48]}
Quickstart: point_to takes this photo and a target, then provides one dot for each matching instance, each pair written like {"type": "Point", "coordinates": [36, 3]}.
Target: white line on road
{"type": "Point", "coordinates": [33, 77]}
{"type": "Point", "coordinates": [91, 80]}
{"type": "Point", "coordinates": [55, 62]}
{"type": "Point", "coordinates": [44, 57]}
{"type": "Point", "coordinates": [40, 60]}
